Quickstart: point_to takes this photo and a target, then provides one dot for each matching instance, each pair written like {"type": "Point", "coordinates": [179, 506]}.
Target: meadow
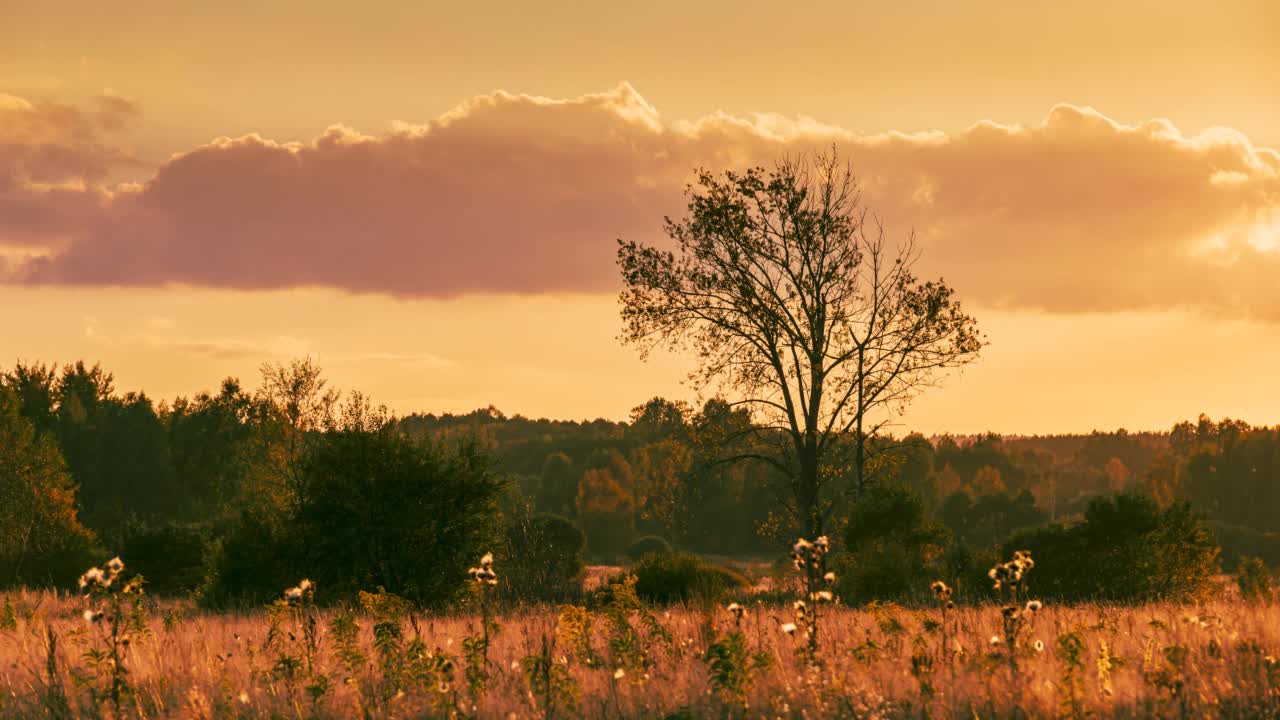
{"type": "Point", "coordinates": [619, 658]}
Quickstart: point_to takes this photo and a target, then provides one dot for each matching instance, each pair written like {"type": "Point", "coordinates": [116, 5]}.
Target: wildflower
{"type": "Point", "coordinates": [484, 574]}
{"type": "Point", "coordinates": [115, 565]}
{"type": "Point", "coordinates": [293, 594]}
{"type": "Point", "coordinates": [619, 674]}
{"type": "Point", "coordinates": [822, 596]}
{"type": "Point", "coordinates": [1010, 613]}
{"type": "Point", "coordinates": [950, 605]}
{"type": "Point", "coordinates": [940, 590]}
{"type": "Point", "coordinates": [92, 577]}
{"type": "Point", "coordinates": [244, 698]}
{"type": "Point", "coordinates": [800, 607]}
{"type": "Point", "coordinates": [91, 616]}
{"type": "Point", "coordinates": [737, 610]}
{"type": "Point", "coordinates": [515, 664]}
{"type": "Point", "coordinates": [995, 640]}
{"type": "Point", "coordinates": [788, 628]}
{"type": "Point", "coordinates": [1039, 646]}
{"type": "Point", "coordinates": [829, 577]}
{"type": "Point", "coordinates": [1033, 606]}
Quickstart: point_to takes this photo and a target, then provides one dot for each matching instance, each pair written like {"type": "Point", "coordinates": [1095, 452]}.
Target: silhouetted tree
{"type": "Point", "coordinates": [790, 298]}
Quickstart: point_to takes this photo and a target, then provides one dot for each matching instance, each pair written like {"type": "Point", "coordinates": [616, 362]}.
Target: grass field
{"type": "Point", "coordinates": [1216, 660]}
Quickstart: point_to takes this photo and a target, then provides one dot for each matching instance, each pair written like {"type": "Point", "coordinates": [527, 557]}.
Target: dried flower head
{"type": "Point", "coordinates": [940, 590]}
{"type": "Point", "coordinates": [788, 628]}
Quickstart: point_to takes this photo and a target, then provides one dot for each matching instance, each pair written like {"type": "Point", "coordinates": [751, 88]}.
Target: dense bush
{"type": "Point", "coordinates": [891, 547]}
{"type": "Point", "coordinates": [170, 557]}
{"type": "Point", "coordinates": [1253, 580]}
{"type": "Point", "coordinates": [681, 577]}
{"type": "Point", "coordinates": [648, 545]}
{"type": "Point", "coordinates": [541, 557]}
{"type": "Point", "coordinates": [1126, 549]}
{"type": "Point", "coordinates": [379, 510]}
{"type": "Point", "coordinates": [375, 510]}
{"type": "Point", "coordinates": [250, 561]}
{"type": "Point", "coordinates": [1238, 542]}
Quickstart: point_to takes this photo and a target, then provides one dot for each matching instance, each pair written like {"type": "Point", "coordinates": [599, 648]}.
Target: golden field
{"type": "Point", "coordinates": [1162, 660]}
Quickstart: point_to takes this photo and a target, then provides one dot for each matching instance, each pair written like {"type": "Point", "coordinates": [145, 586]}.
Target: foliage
{"type": "Point", "coordinates": [1126, 548]}
{"type": "Point", "coordinates": [648, 545]}
{"type": "Point", "coordinates": [379, 510]}
{"type": "Point", "coordinates": [542, 556]}
{"type": "Point", "coordinates": [171, 556]}
{"type": "Point", "coordinates": [41, 540]}
{"type": "Point", "coordinates": [681, 577]}
{"type": "Point", "coordinates": [1254, 580]}
{"type": "Point", "coordinates": [892, 546]}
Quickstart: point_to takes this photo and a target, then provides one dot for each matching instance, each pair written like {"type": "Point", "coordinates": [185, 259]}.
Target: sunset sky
{"type": "Point", "coordinates": [426, 197]}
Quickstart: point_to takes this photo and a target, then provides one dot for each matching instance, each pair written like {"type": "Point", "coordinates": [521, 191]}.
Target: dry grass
{"type": "Point", "coordinates": [1166, 661]}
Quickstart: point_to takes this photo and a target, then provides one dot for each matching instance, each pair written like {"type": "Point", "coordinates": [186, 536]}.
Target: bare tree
{"type": "Point", "coordinates": [782, 285]}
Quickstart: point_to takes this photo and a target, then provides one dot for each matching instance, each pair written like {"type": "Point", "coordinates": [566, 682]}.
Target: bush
{"type": "Point", "coordinates": [1238, 542]}
{"type": "Point", "coordinates": [1126, 549]}
{"type": "Point", "coordinates": [541, 557]}
{"type": "Point", "coordinates": [648, 545]}
{"type": "Point", "coordinates": [891, 547]}
{"type": "Point", "coordinates": [681, 577]}
{"type": "Point", "coordinates": [251, 562]}
{"type": "Point", "coordinates": [1254, 580]}
{"type": "Point", "coordinates": [376, 510]}
{"type": "Point", "coordinates": [171, 557]}
{"type": "Point", "coordinates": [381, 511]}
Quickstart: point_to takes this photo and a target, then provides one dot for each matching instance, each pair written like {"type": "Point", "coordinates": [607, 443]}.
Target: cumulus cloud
{"type": "Point", "coordinates": [514, 193]}
{"type": "Point", "coordinates": [53, 159]}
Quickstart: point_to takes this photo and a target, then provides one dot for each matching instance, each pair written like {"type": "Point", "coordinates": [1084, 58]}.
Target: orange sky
{"type": "Point", "coordinates": [444, 245]}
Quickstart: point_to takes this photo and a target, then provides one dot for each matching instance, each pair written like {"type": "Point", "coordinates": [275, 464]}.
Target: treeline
{"type": "Point", "coordinates": [225, 493]}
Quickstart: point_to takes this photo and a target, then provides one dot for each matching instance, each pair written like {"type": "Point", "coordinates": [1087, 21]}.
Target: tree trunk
{"type": "Point", "coordinates": [807, 492]}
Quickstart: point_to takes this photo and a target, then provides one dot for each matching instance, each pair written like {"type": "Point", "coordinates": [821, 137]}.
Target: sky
{"type": "Point", "coordinates": [427, 197]}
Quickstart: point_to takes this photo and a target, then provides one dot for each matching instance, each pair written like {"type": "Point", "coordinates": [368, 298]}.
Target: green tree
{"type": "Point", "coordinates": [606, 512]}
{"type": "Point", "coordinates": [41, 540]}
{"type": "Point", "coordinates": [790, 298]}
{"type": "Point", "coordinates": [380, 510]}
{"type": "Point", "coordinates": [558, 485]}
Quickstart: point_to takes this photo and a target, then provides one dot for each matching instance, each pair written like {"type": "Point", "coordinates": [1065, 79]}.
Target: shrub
{"type": "Point", "coordinates": [648, 545]}
{"type": "Point", "coordinates": [248, 560]}
{"type": "Point", "coordinates": [380, 510]}
{"type": "Point", "coordinates": [1254, 580]}
{"type": "Point", "coordinates": [892, 546]}
{"type": "Point", "coordinates": [1127, 549]}
{"type": "Point", "coordinates": [1238, 542]}
{"type": "Point", "coordinates": [171, 557]}
{"type": "Point", "coordinates": [681, 577]}
{"type": "Point", "coordinates": [542, 557]}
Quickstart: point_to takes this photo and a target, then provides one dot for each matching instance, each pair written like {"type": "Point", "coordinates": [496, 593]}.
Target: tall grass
{"type": "Point", "coordinates": [1162, 660]}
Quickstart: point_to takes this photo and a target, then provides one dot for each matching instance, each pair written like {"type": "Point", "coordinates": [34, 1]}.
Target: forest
{"type": "Point", "coordinates": [198, 490]}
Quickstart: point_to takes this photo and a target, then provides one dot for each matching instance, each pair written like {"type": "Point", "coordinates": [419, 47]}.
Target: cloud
{"type": "Point", "coordinates": [519, 194]}
{"type": "Point", "coordinates": [53, 159]}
